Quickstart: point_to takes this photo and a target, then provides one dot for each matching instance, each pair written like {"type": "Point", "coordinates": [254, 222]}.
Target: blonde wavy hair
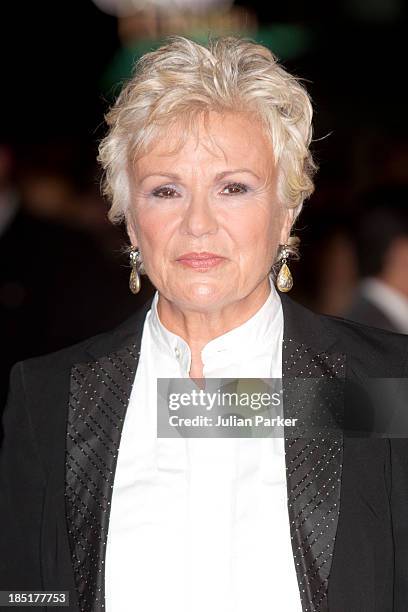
{"type": "Point", "coordinates": [183, 78]}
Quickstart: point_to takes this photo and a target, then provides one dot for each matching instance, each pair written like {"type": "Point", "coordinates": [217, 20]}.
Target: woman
{"type": "Point", "coordinates": [207, 161]}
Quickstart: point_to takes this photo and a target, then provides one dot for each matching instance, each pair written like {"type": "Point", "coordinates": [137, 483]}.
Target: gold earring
{"type": "Point", "coordinates": [135, 260]}
{"type": "Point", "coordinates": [284, 280]}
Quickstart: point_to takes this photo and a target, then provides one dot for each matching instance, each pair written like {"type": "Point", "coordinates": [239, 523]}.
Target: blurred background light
{"type": "Point", "coordinates": [127, 8]}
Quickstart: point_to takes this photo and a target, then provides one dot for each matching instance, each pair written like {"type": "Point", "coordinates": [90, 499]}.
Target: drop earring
{"type": "Point", "coordinates": [135, 261]}
{"type": "Point", "coordinates": [284, 280]}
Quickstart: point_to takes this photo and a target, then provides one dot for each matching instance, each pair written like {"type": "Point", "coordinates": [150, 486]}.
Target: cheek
{"type": "Point", "coordinates": [255, 231]}
{"type": "Point", "coordinates": [152, 231]}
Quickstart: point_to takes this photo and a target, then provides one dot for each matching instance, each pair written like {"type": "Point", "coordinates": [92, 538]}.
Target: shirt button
{"type": "Point", "coordinates": [177, 352]}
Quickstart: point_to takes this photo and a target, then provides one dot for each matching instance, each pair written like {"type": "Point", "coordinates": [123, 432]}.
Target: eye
{"type": "Point", "coordinates": [236, 187]}
{"type": "Point", "coordinates": [164, 192]}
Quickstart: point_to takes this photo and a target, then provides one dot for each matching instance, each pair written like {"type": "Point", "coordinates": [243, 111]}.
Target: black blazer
{"type": "Point", "coordinates": [347, 496]}
{"type": "Point", "coordinates": [364, 311]}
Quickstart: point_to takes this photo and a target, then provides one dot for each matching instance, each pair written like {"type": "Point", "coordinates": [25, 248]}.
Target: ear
{"type": "Point", "coordinates": [288, 216]}
{"type": "Point", "coordinates": [131, 232]}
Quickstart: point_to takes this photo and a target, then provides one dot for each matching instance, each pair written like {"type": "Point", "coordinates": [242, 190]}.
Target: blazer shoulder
{"type": "Point", "coordinates": [387, 349]}
{"type": "Point", "coordinates": [50, 365]}
{"type": "Point", "coordinates": [89, 349]}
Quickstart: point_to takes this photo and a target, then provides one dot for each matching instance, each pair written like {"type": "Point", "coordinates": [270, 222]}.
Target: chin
{"type": "Point", "coordinates": [208, 295]}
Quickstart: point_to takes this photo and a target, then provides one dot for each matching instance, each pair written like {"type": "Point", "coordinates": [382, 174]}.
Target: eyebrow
{"type": "Point", "coordinates": [218, 176]}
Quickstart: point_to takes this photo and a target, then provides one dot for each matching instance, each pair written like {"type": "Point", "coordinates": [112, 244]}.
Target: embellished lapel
{"type": "Point", "coordinates": [99, 395]}
{"type": "Point", "coordinates": [313, 455]}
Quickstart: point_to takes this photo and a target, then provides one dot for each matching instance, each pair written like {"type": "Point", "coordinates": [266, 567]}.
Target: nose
{"type": "Point", "coordinates": [199, 218]}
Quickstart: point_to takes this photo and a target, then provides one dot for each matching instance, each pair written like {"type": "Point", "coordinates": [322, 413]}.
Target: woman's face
{"type": "Point", "coordinates": [216, 194]}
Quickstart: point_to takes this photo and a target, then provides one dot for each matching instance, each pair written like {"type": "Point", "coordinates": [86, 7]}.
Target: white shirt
{"type": "Point", "coordinates": [201, 524]}
{"type": "Point", "coordinates": [390, 301]}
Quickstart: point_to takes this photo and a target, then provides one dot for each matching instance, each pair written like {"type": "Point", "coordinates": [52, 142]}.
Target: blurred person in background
{"type": "Point", "coordinates": [325, 283]}
{"type": "Point", "coordinates": [57, 284]}
{"type": "Point", "coordinates": [381, 245]}
{"type": "Point", "coordinates": [208, 163]}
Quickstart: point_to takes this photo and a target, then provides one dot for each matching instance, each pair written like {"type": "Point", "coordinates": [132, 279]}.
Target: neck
{"type": "Point", "coordinates": [197, 328]}
{"type": "Point", "coordinates": [395, 279]}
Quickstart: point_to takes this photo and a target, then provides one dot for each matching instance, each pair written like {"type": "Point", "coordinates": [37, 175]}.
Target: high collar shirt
{"type": "Point", "coordinates": [199, 524]}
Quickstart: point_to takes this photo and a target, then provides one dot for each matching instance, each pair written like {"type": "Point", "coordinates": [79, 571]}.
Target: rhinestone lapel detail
{"type": "Point", "coordinates": [313, 464]}
{"type": "Point", "coordinates": [99, 396]}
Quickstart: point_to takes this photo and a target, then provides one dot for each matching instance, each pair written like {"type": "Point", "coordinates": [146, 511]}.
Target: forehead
{"type": "Point", "coordinates": [214, 139]}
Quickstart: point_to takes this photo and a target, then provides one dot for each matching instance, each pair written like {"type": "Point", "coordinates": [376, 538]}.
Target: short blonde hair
{"type": "Point", "coordinates": [183, 78]}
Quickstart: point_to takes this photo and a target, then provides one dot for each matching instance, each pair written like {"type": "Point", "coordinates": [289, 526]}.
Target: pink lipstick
{"type": "Point", "coordinates": [200, 261]}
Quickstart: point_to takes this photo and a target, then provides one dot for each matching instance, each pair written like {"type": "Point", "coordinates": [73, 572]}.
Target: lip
{"type": "Point", "coordinates": [200, 260]}
{"type": "Point", "coordinates": [199, 255]}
